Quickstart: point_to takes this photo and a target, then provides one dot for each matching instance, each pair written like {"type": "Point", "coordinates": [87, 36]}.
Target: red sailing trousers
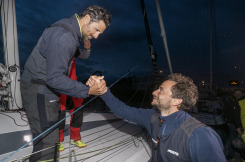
{"type": "Point", "coordinates": [76, 118]}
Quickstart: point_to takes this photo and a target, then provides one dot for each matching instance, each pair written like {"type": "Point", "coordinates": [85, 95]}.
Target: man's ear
{"type": "Point", "coordinates": [177, 101]}
{"type": "Point", "coordinates": [87, 19]}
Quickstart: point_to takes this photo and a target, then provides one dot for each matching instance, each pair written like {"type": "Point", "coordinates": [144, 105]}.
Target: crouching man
{"type": "Point", "coordinates": [176, 136]}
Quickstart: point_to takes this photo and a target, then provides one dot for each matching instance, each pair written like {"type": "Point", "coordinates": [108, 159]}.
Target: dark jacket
{"type": "Point", "coordinates": [232, 113]}
{"type": "Point", "coordinates": [50, 60]}
{"type": "Point", "coordinates": [204, 145]}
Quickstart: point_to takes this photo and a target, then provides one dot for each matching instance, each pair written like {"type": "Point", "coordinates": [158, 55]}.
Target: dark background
{"type": "Point", "coordinates": [124, 44]}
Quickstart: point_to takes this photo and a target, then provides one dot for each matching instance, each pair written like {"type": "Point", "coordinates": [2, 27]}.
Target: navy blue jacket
{"type": "Point", "coordinates": [51, 57]}
{"type": "Point", "coordinates": [205, 144]}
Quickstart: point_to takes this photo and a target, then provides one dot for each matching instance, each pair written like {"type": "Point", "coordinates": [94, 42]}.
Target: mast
{"type": "Point", "coordinates": [11, 52]}
{"type": "Point", "coordinates": [151, 48]}
{"type": "Point", "coordinates": [163, 34]}
{"type": "Point", "coordinates": [211, 44]}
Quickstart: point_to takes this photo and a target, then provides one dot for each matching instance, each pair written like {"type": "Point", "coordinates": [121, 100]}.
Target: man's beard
{"type": "Point", "coordinates": [162, 106]}
{"type": "Point", "coordinates": [85, 37]}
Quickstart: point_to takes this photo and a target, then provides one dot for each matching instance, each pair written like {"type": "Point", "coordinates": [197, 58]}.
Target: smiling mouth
{"type": "Point", "coordinates": [154, 99]}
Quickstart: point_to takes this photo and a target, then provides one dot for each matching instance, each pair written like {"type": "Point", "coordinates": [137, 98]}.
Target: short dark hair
{"type": "Point", "coordinates": [238, 89]}
{"type": "Point", "coordinates": [184, 89]}
{"type": "Point", "coordinates": [97, 13]}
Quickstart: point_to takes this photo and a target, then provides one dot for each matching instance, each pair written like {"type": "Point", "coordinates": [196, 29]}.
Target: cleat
{"type": "Point", "coordinates": [61, 147]}
{"type": "Point", "coordinates": [79, 144]}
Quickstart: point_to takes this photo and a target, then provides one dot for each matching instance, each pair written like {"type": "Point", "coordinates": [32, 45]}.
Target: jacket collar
{"type": "Point", "coordinates": [173, 117]}
{"type": "Point", "coordinates": [75, 26]}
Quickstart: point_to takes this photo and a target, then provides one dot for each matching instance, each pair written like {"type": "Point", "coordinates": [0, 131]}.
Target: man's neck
{"type": "Point", "coordinates": [168, 111]}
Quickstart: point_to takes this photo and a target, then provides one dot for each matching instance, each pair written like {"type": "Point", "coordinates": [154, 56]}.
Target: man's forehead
{"type": "Point", "coordinates": [167, 83]}
{"type": "Point", "coordinates": [100, 25]}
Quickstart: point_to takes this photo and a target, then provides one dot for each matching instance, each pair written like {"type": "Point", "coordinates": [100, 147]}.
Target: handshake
{"type": "Point", "coordinates": [97, 85]}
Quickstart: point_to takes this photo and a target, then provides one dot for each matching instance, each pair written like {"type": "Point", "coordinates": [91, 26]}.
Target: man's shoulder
{"type": "Point", "coordinates": [61, 34]}
{"type": "Point", "coordinates": [205, 132]}
{"type": "Point", "coordinates": [67, 21]}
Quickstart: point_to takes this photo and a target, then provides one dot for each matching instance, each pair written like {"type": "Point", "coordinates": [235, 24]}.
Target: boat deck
{"type": "Point", "coordinates": [108, 138]}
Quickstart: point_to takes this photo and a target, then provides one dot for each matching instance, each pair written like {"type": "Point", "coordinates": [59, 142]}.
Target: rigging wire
{"type": "Point", "coordinates": [133, 95]}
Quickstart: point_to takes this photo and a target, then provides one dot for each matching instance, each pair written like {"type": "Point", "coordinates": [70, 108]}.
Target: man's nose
{"type": "Point", "coordinates": [96, 35]}
{"type": "Point", "coordinates": [154, 92]}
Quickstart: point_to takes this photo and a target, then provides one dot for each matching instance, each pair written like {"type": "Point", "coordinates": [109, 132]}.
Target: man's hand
{"type": "Point", "coordinates": [98, 88]}
{"type": "Point", "coordinates": [94, 79]}
{"type": "Point", "coordinates": [86, 44]}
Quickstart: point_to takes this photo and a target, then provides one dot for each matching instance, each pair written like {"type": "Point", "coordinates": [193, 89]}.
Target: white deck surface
{"type": "Point", "coordinates": [107, 138]}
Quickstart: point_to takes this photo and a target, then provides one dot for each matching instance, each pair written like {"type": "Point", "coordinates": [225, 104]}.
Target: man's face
{"type": "Point", "coordinates": [162, 97]}
{"type": "Point", "coordinates": [92, 30]}
{"type": "Point", "coordinates": [238, 94]}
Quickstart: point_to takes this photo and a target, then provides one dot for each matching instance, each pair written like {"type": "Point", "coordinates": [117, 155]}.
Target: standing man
{"type": "Point", "coordinates": [176, 136]}
{"type": "Point", "coordinates": [233, 116]}
{"type": "Point", "coordinates": [46, 74]}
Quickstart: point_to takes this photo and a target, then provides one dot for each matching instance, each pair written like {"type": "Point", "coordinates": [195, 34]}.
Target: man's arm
{"type": "Point", "coordinates": [83, 54]}
{"type": "Point", "coordinates": [206, 146]}
{"type": "Point", "coordinates": [58, 55]}
{"type": "Point", "coordinates": [136, 115]}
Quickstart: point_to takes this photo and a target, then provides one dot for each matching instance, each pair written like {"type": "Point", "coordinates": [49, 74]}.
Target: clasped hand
{"type": "Point", "coordinates": [97, 85]}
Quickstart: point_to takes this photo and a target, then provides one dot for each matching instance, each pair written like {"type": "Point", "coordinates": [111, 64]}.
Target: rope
{"type": "Point", "coordinates": [129, 143]}
{"type": "Point", "coordinates": [110, 148]}
{"type": "Point", "coordinates": [104, 149]}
